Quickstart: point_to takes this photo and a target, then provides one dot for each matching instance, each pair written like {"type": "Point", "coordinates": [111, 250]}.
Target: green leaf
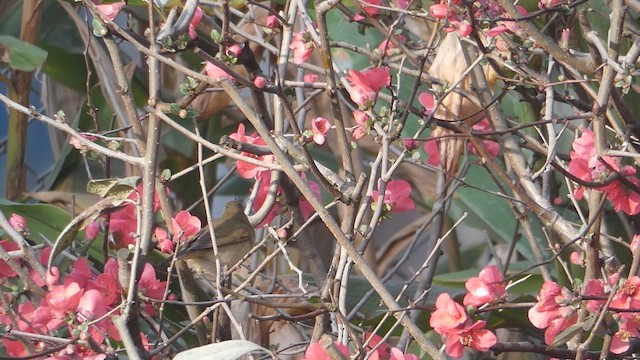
{"type": "Point", "coordinates": [21, 55]}
{"type": "Point", "coordinates": [226, 350]}
{"type": "Point", "coordinates": [43, 220]}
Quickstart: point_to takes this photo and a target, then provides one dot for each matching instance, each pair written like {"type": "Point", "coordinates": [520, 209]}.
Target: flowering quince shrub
{"type": "Point", "coordinates": [322, 180]}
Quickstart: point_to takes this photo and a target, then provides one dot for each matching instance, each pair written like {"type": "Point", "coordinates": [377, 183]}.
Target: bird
{"type": "Point", "coordinates": [234, 237]}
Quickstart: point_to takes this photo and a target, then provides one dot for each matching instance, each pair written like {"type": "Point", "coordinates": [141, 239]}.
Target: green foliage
{"type": "Point", "coordinates": [20, 55]}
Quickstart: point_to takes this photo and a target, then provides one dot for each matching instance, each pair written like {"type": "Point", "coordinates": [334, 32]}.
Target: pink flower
{"type": "Point", "coordinates": [441, 11]}
{"type": "Point", "coordinates": [487, 288]}
{"type": "Point", "coordinates": [635, 242]}
{"type": "Point", "coordinates": [92, 230]}
{"type": "Point", "coordinates": [396, 196]}
{"type": "Point", "coordinates": [246, 170]}
{"type": "Point", "coordinates": [5, 270]}
{"type": "Point", "coordinates": [371, 10]}
{"type": "Point", "coordinates": [110, 11]}
{"type": "Point", "coordinates": [464, 29]}
{"type": "Point", "coordinates": [310, 78]}
{"type": "Point", "coordinates": [449, 315]}
{"type": "Point", "coordinates": [234, 50]}
{"type": "Point", "coordinates": [185, 225]}
{"type": "Point", "coordinates": [320, 126]}
{"type": "Point", "coordinates": [577, 258]}
{"type": "Point", "coordinates": [272, 21]}
{"type": "Point", "coordinates": [432, 149]}
{"type": "Point", "coordinates": [216, 73]}
{"type": "Point", "coordinates": [278, 208]}
{"type": "Point", "coordinates": [362, 120]}
{"type": "Point", "coordinates": [302, 47]}
{"type": "Point", "coordinates": [315, 351]}
{"type": "Point", "coordinates": [628, 330]}
{"type": "Point", "coordinates": [545, 4]}
{"type": "Point", "coordinates": [388, 47]}
{"type": "Point", "coordinates": [19, 224]}
{"type": "Point", "coordinates": [496, 30]}
{"type": "Point", "coordinates": [375, 341]}
{"type": "Point", "coordinates": [427, 101]}
{"type": "Point", "coordinates": [628, 296]}
{"type": "Point", "coordinates": [396, 354]}
{"type": "Point", "coordinates": [366, 85]}
{"type": "Point", "coordinates": [492, 147]}
{"type": "Point", "coordinates": [75, 142]}
{"type": "Point", "coordinates": [475, 336]}
{"type": "Point", "coordinates": [15, 348]}
{"type": "Point", "coordinates": [260, 82]}
{"type": "Point", "coordinates": [624, 198]}
{"type": "Point", "coordinates": [553, 311]}
{"type": "Point", "coordinates": [193, 24]}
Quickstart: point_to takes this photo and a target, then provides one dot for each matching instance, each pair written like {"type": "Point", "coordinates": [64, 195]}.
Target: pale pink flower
{"type": "Point", "coordinates": [193, 24]}
{"type": "Point", "coordinates": [110, 11]}
{"type": "Point", "coordinates": [496, 30]}
{"type": "Point", "coordinates": [310, 78]}
{"type": "Point", "coordinates": [185, 225]}
{"type": "Point", "coordinates": [362, 120]}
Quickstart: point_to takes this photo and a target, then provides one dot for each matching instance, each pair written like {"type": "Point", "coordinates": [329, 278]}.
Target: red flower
{"type": "Point", "coordinates": [371, 10]}
{"type": "Point", "coordinates": [488, 287]}
{"type": "Point", "coordinates": [366, 85]}
{"type": "Point", "coordinates": [319, 127]}
{"type": "Point", "coordinates": [492, 147]}
{"type": "Point", "coordinates": [302, 47]}
{"type": "Point", "coordinates": [5, 270]}
{"type": "Point", "coordinates": [396, 196]}
{"type": "Point", "coordinates": [432, 149]}
{"type": "Point", "coordinates": [272, 21]}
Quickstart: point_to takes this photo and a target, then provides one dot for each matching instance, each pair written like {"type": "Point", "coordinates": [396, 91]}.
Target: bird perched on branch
{"type": "Point", "coordinates": [234, 238]}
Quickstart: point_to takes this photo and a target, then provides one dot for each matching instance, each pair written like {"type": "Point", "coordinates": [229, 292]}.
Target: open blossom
{"type": "Point", "coordinates": [492, 147]}
{"type": "Point", "coordinates": [586, 165]}
{"type": "Point", "coordinates": [441, 11]}
{"type": "Point", "coordinates": [245, 169]}
{"type": "Point", "coordinates": [185, 225]}
{"type": "Point", "coordinates": [457, 329]}
{"type": "Point", "coordinates": [366, 85]}
{"type": "Point", "coordinates": [320, 126]}
{"type": "Point", "coordinates": [487, 288]}
{"type": "Point", "coordinates": [553, 311]}
{"type": "Point", "coordinates": [302, 47]}
{"type": "Point", "coordinates": [396, 195]}
{"type": "Point", "coordinates": [427, 101]}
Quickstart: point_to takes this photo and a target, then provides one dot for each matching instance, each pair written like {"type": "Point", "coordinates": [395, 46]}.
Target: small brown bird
{"type": "Point", "coordinates": [234, 236]}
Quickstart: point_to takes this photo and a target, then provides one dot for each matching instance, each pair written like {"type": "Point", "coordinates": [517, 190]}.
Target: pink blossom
{"type": "Point", "coordinates": [193, 24]}
{"type": "Point", "coordinates": [216, 73]}
{"type": "Point", "coordinates": [278, 208]}
{"type": "Point", "coordinates": [75, 142]}
{"type": "Point", "coordinates": [487, 288]}
{"type": "Point", "coordinates": [245, 169]}
{"type": "Point", "coordinates": [376, 341]}
{"type": "Point", "coordinates": [366, 85]}
{"type": "Point", "coordinates": [628, 296]}
{"type": "Point", "coordinates": [496, 30]}
{"type": "Point", "coordinates": [5, 270]}
{"type": "Point", "coordinates": [320, 126]}
{"type": "Point", "coordinates": [315, 351]}
{"type": "Point", "coordinates": [545, 4]}
{"type": "Point", "coordinates": [396, 196]}
{"type": "Point", "coordinates": [464, 29]}
{"type": "Point", "coordinates": [427, 101]}
{"type": "Point", "coordinates": [440, 11]}
{"type": "Point", "coordinates": [260, 82]}
{"type": "Point", "coordinates": [19, 224]}
{"type": "Point", "coordinates": [302, 47]}
{"type": "Point", "coordinates": [92, 230]}
{"type": "Point", "coordinates": [474, 336]}
{"type": "Point", "coordinates": [388, 48]}
{"type": "Point", "coordinates": [449, 315]}
{"type": "Point", "coordinates": [272, 21]}
{"type": "Point", "coordinates": [492, 147]}
{"type": "Point", "coordinates": [432, 149]}
{"type": "Point", "coordinates": [577, 258]}
{"type": "Point", "coordinates": [635, 241]}
{"type": "Point", "coordinates": [185, 225]}
{"type": "Point", "coordinates": [234, 50]}
{"type": "Point", "coordinates": [371, 10]}
{"type": "Point", "coordinates": [397, 354]}
{"type": "Point", "coordinates": [110, 11]}
{"type": "Point", "coordinates": [310, 78]}
{"type": "Point", "coordinates": [362, 120]}
{"type": "Point", "coordinates": [553, 311]}
{"type": "Point", "coordinates": [15, 348]}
